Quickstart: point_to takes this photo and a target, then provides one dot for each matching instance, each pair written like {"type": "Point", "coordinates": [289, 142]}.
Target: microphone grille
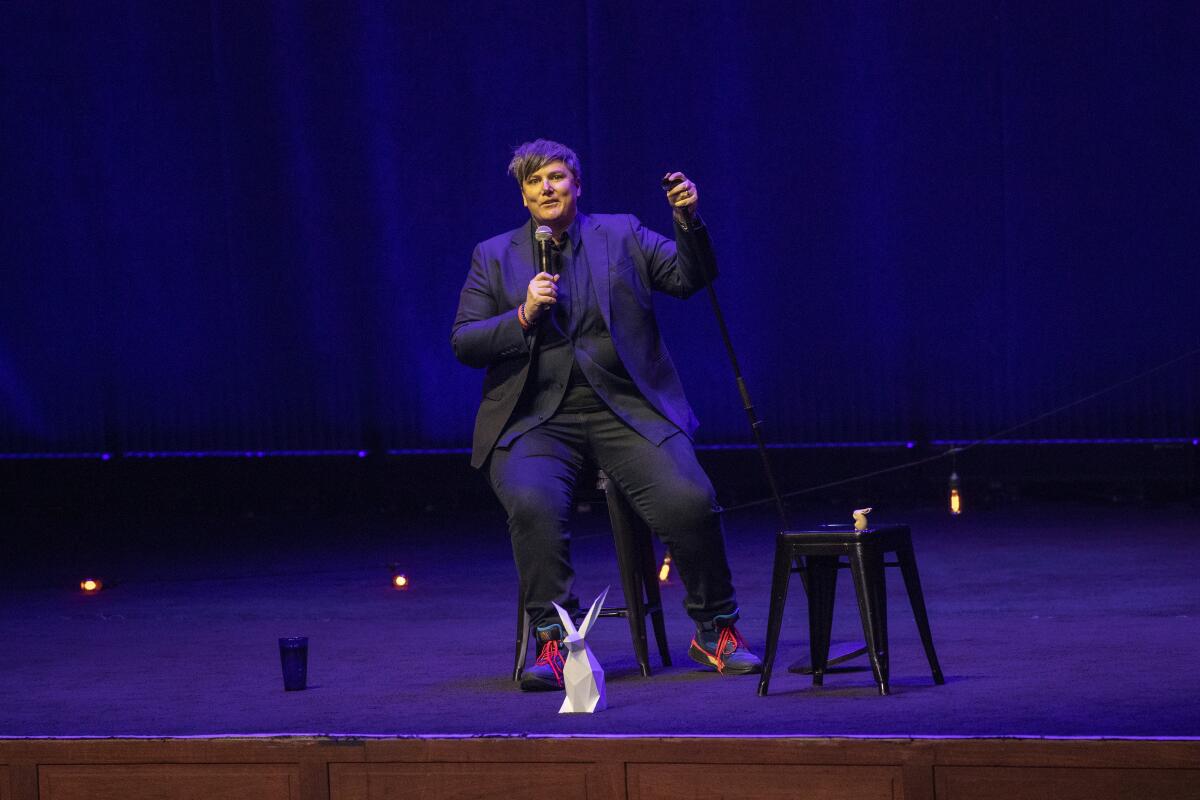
{"type": "Point", "coordinates": [543, 233]}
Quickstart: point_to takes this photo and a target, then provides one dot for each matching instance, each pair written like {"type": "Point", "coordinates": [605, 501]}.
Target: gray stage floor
{"type": "Point", "coordinates": [1066, 621]}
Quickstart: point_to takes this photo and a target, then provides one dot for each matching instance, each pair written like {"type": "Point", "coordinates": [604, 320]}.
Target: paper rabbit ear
{"type": "Point", "coordinates": [566, 619]}
{"type": "Point", "coordinates": [593, 612]}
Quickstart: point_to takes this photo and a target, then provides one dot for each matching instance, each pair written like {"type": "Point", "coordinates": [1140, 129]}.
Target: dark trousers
{"type": "Point", "coordinates": [535, 482]}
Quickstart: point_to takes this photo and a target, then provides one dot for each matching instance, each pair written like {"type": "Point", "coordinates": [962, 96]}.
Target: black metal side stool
{"type": "Point", "coordinates": [639, 580]}
{"type": "Point", "coordinates": [817, 555]}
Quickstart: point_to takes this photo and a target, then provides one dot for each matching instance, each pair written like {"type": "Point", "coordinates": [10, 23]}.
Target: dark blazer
{"type": "Point", "coordinates": [627, 262]}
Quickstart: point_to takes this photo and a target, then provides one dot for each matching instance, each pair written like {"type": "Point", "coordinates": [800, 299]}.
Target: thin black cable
{"type": "Point", "coordinates": [954, 451]}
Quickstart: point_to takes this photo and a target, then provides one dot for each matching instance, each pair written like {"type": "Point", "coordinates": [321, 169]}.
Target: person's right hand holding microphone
{"type": "Point", "coordinates": [541, 294]}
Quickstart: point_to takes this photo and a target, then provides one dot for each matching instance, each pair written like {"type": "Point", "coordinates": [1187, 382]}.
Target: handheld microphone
{"type": "Point", "coordinates": [543, 235]}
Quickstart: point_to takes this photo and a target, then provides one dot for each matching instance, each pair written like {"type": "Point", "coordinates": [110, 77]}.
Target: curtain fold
{"type": "Point", "coordinates": [235, 226]}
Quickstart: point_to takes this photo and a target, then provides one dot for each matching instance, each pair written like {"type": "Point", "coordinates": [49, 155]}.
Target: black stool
{"type": "Point", "coordinates": [639, 580]}
{"type": "Point", "coordinates": [817, 555]}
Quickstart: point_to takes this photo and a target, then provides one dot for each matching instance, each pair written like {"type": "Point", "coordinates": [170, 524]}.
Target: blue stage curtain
{"type": "Point", "coordinates": [243, 226]}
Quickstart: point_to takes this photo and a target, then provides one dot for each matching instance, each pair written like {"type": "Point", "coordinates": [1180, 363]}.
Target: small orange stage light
{"type": "Point", "coordinates": [664, 572]}
{"type": "Point", "coordinates": [400, 582]}
{"type": "Point", "coordinates": [91, 585]}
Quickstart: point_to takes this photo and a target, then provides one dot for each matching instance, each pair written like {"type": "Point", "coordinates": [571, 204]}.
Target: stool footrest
{"type": "Point", "coordinates": [622, 611]}
{"type": "Point", "coordinates": [845, 565]}
{"type": "Point", "coordinates": [853, 650]}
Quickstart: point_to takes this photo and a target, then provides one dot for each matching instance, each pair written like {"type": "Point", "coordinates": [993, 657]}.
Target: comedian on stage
{"type": "Point", "coordinates": [576, 368]}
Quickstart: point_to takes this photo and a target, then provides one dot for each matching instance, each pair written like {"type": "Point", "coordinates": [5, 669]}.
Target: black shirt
{"type": "Point", "coordinates": [576, 365]}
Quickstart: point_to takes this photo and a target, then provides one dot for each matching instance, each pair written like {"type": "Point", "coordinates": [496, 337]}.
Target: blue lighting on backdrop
{"type": "Point", "coordinates": [240, 229]}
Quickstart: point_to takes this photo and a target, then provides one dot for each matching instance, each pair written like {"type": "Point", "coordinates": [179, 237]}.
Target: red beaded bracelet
{"type": "Point", "coordinates": [521, 318]}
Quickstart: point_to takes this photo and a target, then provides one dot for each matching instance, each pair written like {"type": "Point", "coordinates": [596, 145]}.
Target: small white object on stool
{"type": "Point", "coordinates": [860, 519]}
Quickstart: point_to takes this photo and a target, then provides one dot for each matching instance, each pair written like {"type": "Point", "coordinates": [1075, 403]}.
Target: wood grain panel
{"type": "Point", "coordinates": [1058, 783]}
{"type": "Point", "coordinates": [763, 782]}
{"type": "Point", "coordinates": [460, 781]}
{"type": "Point", "coordinates": [4, 783]}
{"type": "Point", "coordinates": [169, 782]}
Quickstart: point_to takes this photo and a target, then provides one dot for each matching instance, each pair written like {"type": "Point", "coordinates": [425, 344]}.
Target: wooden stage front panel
{"type": "Point", "coordinates": [1064, 783]}
{"type": "Point", "coordinates": [183, 781]}
{"type": "Point", "coordinates": [598, 769]}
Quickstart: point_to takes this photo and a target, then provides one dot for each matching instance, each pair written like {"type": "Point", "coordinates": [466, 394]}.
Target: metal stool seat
{"type": "Point", "coordinates": [638, 569]}
{"type": "Point", "coordinates": [817, 555]}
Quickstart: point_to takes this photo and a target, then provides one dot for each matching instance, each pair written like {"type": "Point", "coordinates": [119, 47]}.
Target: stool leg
{"type": "Point", "coordinates": [654, 598]}
{"type": "Point", "coordinates": [779, 586]}
{"type": "Point", "coordinates": [822, 588]}
{"type": "Point", "coordinates": [916, 598]}
{"type": "Point", "coordinates": [522, 636]}
{"type": "Point", "coordinates": [628, 563]}
{"type": "Point", "coordinates": [866, 565]}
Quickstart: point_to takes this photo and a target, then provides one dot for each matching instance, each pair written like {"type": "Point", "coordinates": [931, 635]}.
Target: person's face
{"type": "Point", "coordinates": [550, 195]}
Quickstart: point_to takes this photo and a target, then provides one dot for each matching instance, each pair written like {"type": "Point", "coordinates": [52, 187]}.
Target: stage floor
{"type": "Point", "coordinates": [1049, 621]}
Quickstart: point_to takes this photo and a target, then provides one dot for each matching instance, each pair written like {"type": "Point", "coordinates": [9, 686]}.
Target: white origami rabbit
{"type": "Point", "coordinates": [583, 678]}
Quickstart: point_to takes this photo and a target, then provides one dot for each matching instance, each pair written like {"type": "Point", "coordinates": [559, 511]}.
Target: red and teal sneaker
{"type": "Point", "coordinates": [718, 644]}
{"type": "Point", "coordinates": [546, 673]}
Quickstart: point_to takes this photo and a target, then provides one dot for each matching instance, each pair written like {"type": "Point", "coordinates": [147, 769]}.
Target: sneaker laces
{"type": "Point", "coordinates": [727, 644]}
{"type": "Point", "coordinates": [551, 655]}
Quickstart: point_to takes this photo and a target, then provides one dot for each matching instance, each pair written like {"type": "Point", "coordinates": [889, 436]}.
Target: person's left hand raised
{"type": "Point", "coordinates": [684, 197]}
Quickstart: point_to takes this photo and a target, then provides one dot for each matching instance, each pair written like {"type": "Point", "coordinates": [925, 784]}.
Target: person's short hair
{"type": "Point", "coordinates": [532, 156]}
